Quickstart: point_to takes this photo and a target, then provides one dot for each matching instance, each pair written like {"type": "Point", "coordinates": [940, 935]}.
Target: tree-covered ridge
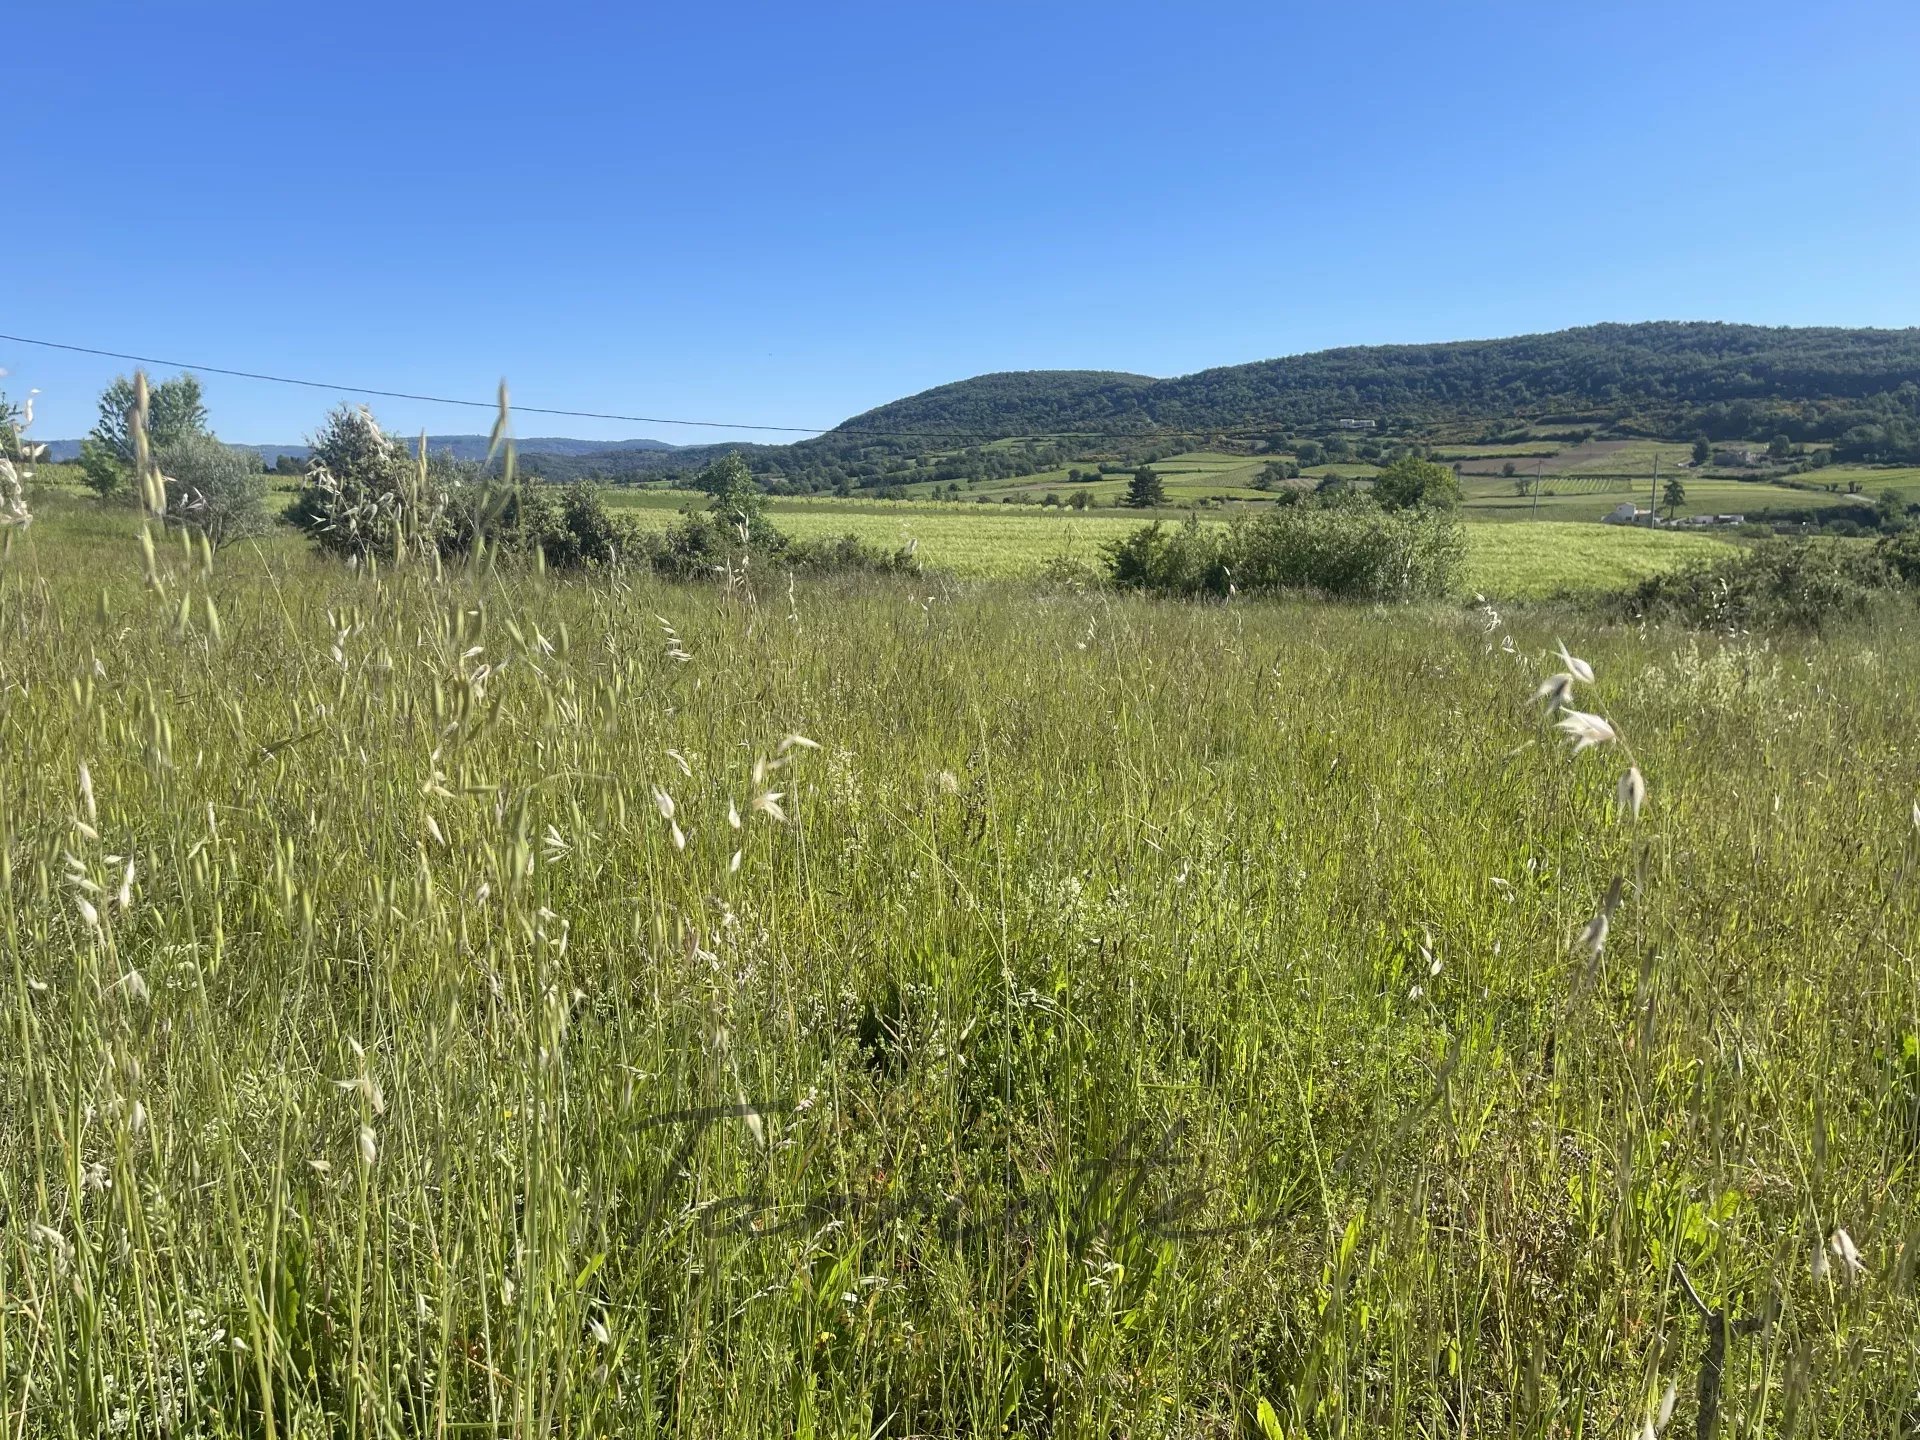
{"type": "Point", "coordinates": [1013, 402]}
{"type": "Point", "coordinates": [1658, 376]}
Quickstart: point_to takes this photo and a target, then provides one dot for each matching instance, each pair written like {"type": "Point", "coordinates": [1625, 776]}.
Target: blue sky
{"type": "Point", "coordinates": [788, 213]}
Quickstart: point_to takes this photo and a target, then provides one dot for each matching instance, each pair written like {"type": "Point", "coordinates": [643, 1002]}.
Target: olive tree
{"type": "Point", "coordinates": [219, 490]}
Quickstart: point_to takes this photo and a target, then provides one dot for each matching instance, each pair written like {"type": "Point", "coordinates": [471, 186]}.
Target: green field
{"type": "Point", "coordinates": [452, 1002]}
{"type": "Point", "coordinates": [981, 541]}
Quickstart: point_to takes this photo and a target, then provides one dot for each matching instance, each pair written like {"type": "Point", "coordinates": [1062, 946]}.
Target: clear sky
{"type": "Point", "coordinates": [788, 213]}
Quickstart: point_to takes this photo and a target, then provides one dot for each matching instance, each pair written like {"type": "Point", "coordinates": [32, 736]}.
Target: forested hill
{"type": "Point", "coordinates": [1664, 376]}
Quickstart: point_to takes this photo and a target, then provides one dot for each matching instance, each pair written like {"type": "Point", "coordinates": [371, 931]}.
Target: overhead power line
{"type": "Point", "coordinates": [1146, 433]}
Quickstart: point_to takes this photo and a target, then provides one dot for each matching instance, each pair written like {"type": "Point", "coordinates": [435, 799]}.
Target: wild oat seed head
{"type": "Point", "coordinates": [1581, 670]}
{"type": "Point", "coordinates": [1586, 729]}
{"type": "Point", "coordinates": [1555, 691]}
{"type": "Point", "coordinates": [1631, 793]}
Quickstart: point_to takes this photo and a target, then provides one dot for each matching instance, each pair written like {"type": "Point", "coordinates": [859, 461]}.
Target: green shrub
{"type": "Point", "coordinates": [1900, 555]}
{"type": "Point", "coordinates": [1779, 584]}
{"type": "Point", "coordinates": [848, 554]}
{"type": "Point", "coordinates": [1353, 550]}
{"type": "Point", "coordinates": [365, 496]}
{"type": "Point", "coordinates": [217, 489]}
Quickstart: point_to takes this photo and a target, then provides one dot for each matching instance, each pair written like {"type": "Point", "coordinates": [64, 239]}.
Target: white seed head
{"type": "Point", "coordinates": [767, 802]}
{"type": "Point", "coordinates": [663, 802]}
{"type": "Point", "coordinates": [1844, 1250]}
{"type": "Point", "coordinates": [1580, 669]}
{"type": "Point", "coordinates": [1666, 1406]}
{"type": "Point", "coordinates": [1586, 729]}
{"type": "Point", "coordinates": [1631, 793]}
{"type": "Point", "coordinates": [87, 913]}
{"type": "Point", "coordinates": [369, 1147]}
{"type": "Point", "coordinates": [1555, 691]}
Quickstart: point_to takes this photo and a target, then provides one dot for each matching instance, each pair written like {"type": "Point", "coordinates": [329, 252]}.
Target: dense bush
{"type": "Point", "coordinates": [219, 490]}
{"type": "Point", "coordinates": [1779, 584]}
{"type": "Point", "coordinates": [568, 528]}
{"type": "Point", "coordinates": [366, 497]}
{"type": "Point", "coordinates": [1351, 550]}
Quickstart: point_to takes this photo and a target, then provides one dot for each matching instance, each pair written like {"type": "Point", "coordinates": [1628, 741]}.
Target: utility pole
{"type": "Point", "coordinates": [1535, 513]}
{"type": "Point", "coordinates": [1653, 500]}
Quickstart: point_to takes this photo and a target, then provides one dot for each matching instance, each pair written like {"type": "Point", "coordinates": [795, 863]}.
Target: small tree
{"type": "Point", "coordinates": [175, 410]}
{"type": "Point", "coordinates": [737, 499]}
{"type": "Point", "coordinates": [1409, 483]}
{"type": "Point", "coordinates": [1673, 495]}
{"type": "Point", "coordinates": [1145, 490]}
{"type": "Point", "coordinates": [1890, 509]}
{"type": "Point", "coordinates": [1779, 448]}
{"type": "Point", "coordinates": [1702, 450]}
{"type": "Point", "coordinates": [366, 496]}
{"type": "Point", "coordinates": [217, 489]}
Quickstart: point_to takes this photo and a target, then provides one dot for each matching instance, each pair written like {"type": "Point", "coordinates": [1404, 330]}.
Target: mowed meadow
{"type": "Point", "coordinates": [469, 1001]}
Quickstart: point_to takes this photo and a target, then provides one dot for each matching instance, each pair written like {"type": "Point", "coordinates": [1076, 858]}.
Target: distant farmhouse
{"type": "Point", "coordinates": [1628, 513]}
{"type": "Point", "coordinates": [1358, 424]}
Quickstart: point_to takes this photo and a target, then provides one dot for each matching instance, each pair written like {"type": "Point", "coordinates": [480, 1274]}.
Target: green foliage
{"type": "Point", "coordinates": [1351, 551]}
{"type": "Point", "coordinates": [1731, 381]}
{"type": "Point", "coordinates": [738, 500]}
{"type": "Point", "coordinates": [1777, 585]}
{"type": "Point", "coordinates": [366, 497]}
{"type": "Point", "coordinates": [1411, 483]}
{"type": "Point", "coordinates": [219, 490]}
{"type": "Point", "coordinates": [1673, 495]}
{"type": "Point", "coordinates": [1146, 490]}
{"type": "Point", "coordinates": [1899, 555]}
{"type": "Point", "coordinates": [175, 411]}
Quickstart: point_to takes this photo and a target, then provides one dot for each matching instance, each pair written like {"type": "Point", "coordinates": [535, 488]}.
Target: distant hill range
{"type": "Point", "coordinates": [1610, 373]}
{"type": "Point", "coordinates": [461, 447]}
{"type": "Point", "coordinates": [1858, 389]}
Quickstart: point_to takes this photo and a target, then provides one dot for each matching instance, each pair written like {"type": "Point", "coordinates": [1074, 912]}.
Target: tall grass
{"type": "Point", "coordinates": [1131, 1018]}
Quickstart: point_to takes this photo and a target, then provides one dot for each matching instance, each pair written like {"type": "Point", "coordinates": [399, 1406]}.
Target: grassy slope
{"type": "Point", "coordinates": [1302, 880]}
